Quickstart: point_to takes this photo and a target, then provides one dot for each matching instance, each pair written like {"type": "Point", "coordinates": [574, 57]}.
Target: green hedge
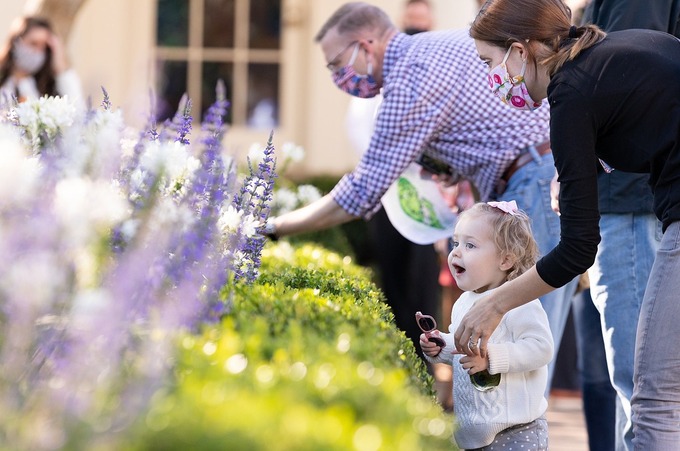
{"type": "Point", "coordinates": [308, 359]}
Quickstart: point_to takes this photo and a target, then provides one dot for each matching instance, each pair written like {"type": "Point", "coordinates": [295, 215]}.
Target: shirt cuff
{"type": "Point", "coordinates": [347, 198]}
{"type": "Point", "coordinates": [499, 358]}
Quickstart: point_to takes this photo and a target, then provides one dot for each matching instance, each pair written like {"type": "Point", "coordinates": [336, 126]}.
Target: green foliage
{"type": "Point", "coordinates": [334, 239]}
{"type": "Point", "coordinates": [347, 239]}
{"type": "Point", "coordinates": [308, 359]}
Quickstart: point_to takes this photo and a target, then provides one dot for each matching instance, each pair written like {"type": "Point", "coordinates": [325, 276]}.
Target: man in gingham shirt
{"type": "Point", "coordinates": [436, 99]}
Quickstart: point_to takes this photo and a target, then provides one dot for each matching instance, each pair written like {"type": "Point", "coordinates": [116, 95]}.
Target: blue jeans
{"type": "Point", "coordinates": [599, 397]}
{"type": "Point", "coordinates": [656, 396]}
{"type": "Point", "coordinates": [617, 285]}
{"type": "Point", "coordinates": [530, 187]}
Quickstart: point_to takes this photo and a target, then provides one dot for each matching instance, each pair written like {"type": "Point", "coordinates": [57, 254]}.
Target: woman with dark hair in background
{"type": "Point", "coordinates": [614, 98]}
{"type": "Point", "coordinates": [33, 63]}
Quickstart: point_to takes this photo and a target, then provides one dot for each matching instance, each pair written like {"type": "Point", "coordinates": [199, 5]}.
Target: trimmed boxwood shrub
{"type": "Point", "coordinates": [308, 359]}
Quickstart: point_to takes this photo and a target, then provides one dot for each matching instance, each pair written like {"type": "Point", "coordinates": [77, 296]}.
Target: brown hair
{"type": "Point", "coordinates": [548, 22]}
{"type": "Point", "coordinates": [511, 234]}
{"type": "Point", "coordinates": [352, 18]}
{"type": "Point", "coordinates": [44, 78]}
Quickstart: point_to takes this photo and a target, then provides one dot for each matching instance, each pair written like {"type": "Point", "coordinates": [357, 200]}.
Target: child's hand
{"type": "Point", "coordinates": [474, 363]}
{"type": "Point", "coordinates": [429, 348]}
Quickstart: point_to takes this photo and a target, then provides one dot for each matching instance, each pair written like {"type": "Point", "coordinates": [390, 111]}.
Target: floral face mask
{"type": "Point", "coordinates": [348, 80]}
{"type": "Point", "coordinates": [511, 90]}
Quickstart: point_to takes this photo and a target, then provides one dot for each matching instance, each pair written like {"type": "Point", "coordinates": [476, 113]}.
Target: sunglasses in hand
{"type": "Point", "coordinates": [428, 325]}
{"type": "Point", "coordinates": [481, 381]}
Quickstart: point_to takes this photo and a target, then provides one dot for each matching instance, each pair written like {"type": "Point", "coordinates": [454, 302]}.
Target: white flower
{"type": "Point", "coordinates": [308, 194]}
{"type": "Point", "coordinates": [127, 146]}
{"type": "Point", "coordinates": [104, 131]}
{"type": "Point", "coordinates": [172, 160]}
{"type": "Point", "coordinates": [84, 207]}
{"type": "Point", "coordinates": [250, 225]}
{"type": "Point", "coordinates": [19, 173]}
{"type": "Point", "coordinates": [240, 260]}
{"type": "Point", "coordinates": [256, 154]}
{"type": "Point", "coordinates": [292, 152]}
{"type": "Point", "coordinates": [137, 179]}
{"type": "Point", "coordinates": [168, 214]}
{"type": "Point", "coordinates": [230, 219]}
{"type": "Point", "coordinates": [107, 119]}
{"type": "Point", "coordinates": [94, 147]}
{"type": "Point", "coordinates": [283, 201]}
{"type": "Point", "coordinates": [158, 158]}
{"type": "Point", "coordinates": [46, 115]}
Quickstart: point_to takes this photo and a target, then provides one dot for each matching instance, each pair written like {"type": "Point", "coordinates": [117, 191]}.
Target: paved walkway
{"type": "Point", "coordinates": [566, 426]}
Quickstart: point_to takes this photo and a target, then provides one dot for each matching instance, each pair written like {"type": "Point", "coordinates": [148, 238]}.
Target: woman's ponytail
{"type": "Point", "coordinates": [570, 45]}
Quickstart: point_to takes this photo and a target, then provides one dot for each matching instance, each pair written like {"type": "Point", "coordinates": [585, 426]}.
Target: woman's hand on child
{"type": "Point", "coordinates": [478, 324]}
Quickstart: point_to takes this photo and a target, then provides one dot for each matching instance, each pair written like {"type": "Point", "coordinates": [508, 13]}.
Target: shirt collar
{"type": "Point", "coordinates": [396, 48]}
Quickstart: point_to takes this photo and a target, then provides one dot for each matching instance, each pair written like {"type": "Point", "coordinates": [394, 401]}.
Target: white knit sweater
{"type": "Point", "coordinates": [519, 349]}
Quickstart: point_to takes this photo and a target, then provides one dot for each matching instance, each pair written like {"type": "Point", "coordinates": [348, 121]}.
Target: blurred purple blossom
{"type": "Point", "coordinates": [101, 268]}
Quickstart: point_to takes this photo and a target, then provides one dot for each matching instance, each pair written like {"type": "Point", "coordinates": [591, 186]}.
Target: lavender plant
{"type": "Point", "coordinates": [254, 199]}
{"type": "Point", "coordinates": [113, 242]}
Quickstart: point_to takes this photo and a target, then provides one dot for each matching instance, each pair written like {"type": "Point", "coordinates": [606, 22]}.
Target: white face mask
{"type": "Point", "coordinates": [28, 59]}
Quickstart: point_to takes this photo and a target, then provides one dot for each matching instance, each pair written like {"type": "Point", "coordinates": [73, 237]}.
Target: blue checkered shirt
{"type": "Point", "coordinates": [437, 100]}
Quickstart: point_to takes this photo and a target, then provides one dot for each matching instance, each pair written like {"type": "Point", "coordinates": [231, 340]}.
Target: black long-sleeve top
{"type": "Point", "coordinates": [618, 101]}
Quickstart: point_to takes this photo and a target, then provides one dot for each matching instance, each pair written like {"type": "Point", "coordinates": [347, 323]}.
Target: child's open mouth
{"type": "Point", "coordinates": [458, 270]}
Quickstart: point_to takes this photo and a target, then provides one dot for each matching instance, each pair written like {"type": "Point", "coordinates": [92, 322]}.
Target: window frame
{"type": "Point", "coordinates": [240, 56]}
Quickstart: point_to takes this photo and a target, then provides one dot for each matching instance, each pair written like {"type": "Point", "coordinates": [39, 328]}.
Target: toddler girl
{"type": "Point", "coordinates": [492, 243]}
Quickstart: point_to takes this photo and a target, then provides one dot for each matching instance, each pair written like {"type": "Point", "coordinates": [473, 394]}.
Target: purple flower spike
{"type": "Point", "coordinates": [106, 103]}
{"type": "Point", "coordinates": [254, 199]}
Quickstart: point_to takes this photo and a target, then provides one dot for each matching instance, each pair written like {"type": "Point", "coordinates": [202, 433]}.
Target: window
{"type": "Point", "coordinates": [238, 41]}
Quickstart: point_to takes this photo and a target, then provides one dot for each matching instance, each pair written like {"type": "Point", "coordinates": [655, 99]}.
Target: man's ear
{"type": "Point", "coordinates": [507, 262]}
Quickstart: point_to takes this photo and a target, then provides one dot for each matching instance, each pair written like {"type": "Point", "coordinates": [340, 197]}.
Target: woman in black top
{"type": "Point", "coordinates": [614, 99]}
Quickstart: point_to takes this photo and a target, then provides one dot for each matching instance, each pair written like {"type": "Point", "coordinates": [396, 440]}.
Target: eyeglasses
{"type": "Point", "coordinates": [427, 324]}
{"type": "Point", "coordinates": [332, 66]}
{"type": "Point", "coordinates": [481, 381]}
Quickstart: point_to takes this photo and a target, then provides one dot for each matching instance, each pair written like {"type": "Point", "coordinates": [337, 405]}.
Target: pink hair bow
{"type": "Point", "coordinates": [508, 207]}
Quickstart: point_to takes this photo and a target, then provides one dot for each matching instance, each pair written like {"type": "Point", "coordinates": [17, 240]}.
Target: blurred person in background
{"type": "Point", "coordinates": [33, 63]}
{"type": "Point", "coordinates": [614, 102]}
{"type": "Point", "coordinates": [630, 235]}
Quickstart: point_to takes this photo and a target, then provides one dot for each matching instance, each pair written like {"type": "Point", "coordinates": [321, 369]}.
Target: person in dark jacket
{"type": "Point", "coordinates": [614, 99]}
{"type": "Point", "coordinates": [630, 238]}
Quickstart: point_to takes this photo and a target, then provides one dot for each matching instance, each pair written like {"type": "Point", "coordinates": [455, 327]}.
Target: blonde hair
{"type": "Point", "coordinates": [511, 234]}
{"type": "Point", "coordinates": [548, 22]}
